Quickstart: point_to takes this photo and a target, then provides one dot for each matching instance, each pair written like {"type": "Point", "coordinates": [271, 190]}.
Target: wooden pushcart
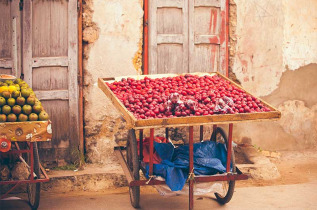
{"type": "Point", "coordinates": [20, 138]}
{"type": "Point", "coordinates": [131, 164]}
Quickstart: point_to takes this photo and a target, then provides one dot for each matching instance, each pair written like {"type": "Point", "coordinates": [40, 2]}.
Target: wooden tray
{"type": "Point", "coordinates": [31, 131]}
{"type": "Point", "coordinates": [183, 121]}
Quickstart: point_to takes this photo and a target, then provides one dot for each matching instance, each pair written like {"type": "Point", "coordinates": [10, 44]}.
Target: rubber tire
{"type": "Point", "coordinates": [133, 164]}
{"type": "Point", "coordinates": [34, 189]}
{"type": "Point", "coordinates": [225, 199]}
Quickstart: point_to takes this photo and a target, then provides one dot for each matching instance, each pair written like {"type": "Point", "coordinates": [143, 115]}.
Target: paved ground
{"type": "Point", "coordinates": [297, 196]}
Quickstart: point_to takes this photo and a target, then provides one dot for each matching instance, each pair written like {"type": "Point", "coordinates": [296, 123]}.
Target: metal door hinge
{"type": "Point", "coordinates": [21, 5]}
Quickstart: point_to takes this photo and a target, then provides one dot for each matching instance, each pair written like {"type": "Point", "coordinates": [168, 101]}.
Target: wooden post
{"type": "Point", "coordinates": [229, 147]}
{"type": "Point", "coordinates": [141, 144]}
{"type": "Point", "coordinates": [191, 167]}
{"type": "Point", "coordinates": [151, 151]}
{"type": "Point", "coordinates": [201, 134]}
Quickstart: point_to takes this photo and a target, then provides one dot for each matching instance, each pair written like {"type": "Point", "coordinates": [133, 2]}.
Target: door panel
{"type": "Point", "coordinates": [168, 36]}
{"type": "Point", "coordinates": [50, 67]}
{"type": "Point", "coordinates": [10, 38]}
{"type": "Point", "coordinates": [187, 36]}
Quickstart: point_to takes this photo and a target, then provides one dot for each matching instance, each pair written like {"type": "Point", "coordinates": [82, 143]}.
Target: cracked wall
{"type": "Point", "coordinates": [112, 38]}
{"type": "Point", "coordinates": [276, 60]}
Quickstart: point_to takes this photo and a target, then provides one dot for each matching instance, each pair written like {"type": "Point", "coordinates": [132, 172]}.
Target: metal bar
{"type": "Point", "coordinates": [229, 147]}
{"type": "Point", "coordinates": [12, 188]}
{"type": "Point", "coordinates": [166, 133]}
{"type": "Point", "coordinates": [191, 167]}
{"type": "Point", "coordinates": [222, 177]}
{"type": "Point", "coordinates": [141, 144]}
{"type": "Point", "coordinates": [124, 165]}
{"type": "Point", "coordinates": [26, 181]}
{"type": "Point", "coordinates": [18, 151]}
{"type": "Point", "coordinates": [201, 134]}
{"type": "Point", "coordinates": [32, 161]}
{"type": "Point", "coordinates": [151, 151]}
{"type": "Point", "coordinates": [146, 182]}
{"type": "Point", "coordinates": [44, 172]}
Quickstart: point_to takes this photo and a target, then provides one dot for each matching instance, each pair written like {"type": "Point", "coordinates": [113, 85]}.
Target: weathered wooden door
{"type": "Point", "coordinates": [50, 44]}
{"type": "Point", "coordinates": [187, 36]}
{"type": "Point", "coordinates": [10, 37]}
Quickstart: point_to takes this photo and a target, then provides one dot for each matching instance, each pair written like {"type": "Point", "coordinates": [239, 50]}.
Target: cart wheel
{"type": "Point", "coordinates": [133, 164]}
{"type": "Point", "coordinates": [220, 136]}
{"type": "Point", "coordinates": [33, 189]}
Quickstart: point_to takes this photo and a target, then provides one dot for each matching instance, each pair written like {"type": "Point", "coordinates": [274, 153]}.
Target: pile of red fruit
{"type": "Point", "coordinates": [184, 95]}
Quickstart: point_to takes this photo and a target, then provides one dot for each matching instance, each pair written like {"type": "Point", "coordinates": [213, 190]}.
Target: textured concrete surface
{"type": "Point", "coordinates": [299, 196]}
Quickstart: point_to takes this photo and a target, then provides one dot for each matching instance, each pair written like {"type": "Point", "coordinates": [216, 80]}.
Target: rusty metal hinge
{"type": "Point", "coordinates": [21, 4]}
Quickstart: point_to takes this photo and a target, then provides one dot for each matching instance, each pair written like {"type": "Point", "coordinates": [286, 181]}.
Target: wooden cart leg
{"type": "Point", "coordinates": [166, 133]}
{"type": "Point", "coordinates": [141, 144]}
{"type": "Point", "coordinates": [229, 149]}
{"type": "Point", "coordinates": [191, 167]}
{"type": "Point", "coordinates": [201, 130]}
{"type": "Point", "coordinates": [151, 151]}
{"type": "Point", "coordinates": [214, 127]}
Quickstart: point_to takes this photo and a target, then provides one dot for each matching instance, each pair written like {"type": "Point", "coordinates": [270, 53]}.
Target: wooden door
{"type": "Point", "coordinates": [10, 37]}
{"type": "Point", "coordinates": [187, 36]}
{"type": "Point", "coordinates": [168, 36]}
{"type": "Point", "coordinates": [50, 44]}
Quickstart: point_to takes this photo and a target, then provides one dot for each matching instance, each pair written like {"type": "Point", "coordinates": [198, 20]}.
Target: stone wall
{"type": "Point", "coordinates": [275, 58]}
{"type": "Point", "coordinates": [112, 47]}
{"type": "Point", "coordinates": [273, 47]}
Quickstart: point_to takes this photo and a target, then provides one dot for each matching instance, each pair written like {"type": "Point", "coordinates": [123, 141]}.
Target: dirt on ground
{"type": "Point", "coordinates": [295, 167]}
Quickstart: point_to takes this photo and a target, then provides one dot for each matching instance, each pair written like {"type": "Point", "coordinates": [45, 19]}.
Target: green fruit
{"type": "Point", "coordinates": [6, 109]}
{"type": "Point", "coordinates": [9, 82]}
{"type": "Point", "coordinates": [20, 101]}
{"type": "Point", "coordinates": [25, 93]}
{"type": "Point", "coordinates": [23, 117]}
{"type": "Point", "coordinates": [17, 81]}
{"type": "Point", "coordinates": [16, 109]}
{"type": "Point", "coordinates": [11, 101]}
{"type": "Point", "coordinates": [6, 94]}
{"type": "Point", "coordinates": [27, 109]}
{"type": "Point", "coordinates": [43, 116]}
{"type": "Point", "coordinates": [33, 117]}
{"type": "Point", "coordinates": [15, 94]}
{"type": "Point", "coordinates": [2, 101]}
{"type": "Point", "coordinates": [12, 118]}
{"type": "Point", "coordinates": [3, 117]}
{"type": "Point", "coordinates": [37, 108]}
{"type": "Point", "coordinates": [30, 100]}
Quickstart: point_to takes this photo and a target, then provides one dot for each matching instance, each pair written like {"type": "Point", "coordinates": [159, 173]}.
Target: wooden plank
{"type": "Point", "coordinates": [27, 41]}
{"type": "Point", "coordinates": [5, 63]}
{"type": "Point", "coordinates": [170, 3]}
{"type": "Point", "coordinates": [206, 57]}
{"type": "Point", "coordinates": [72, 73]}
{"type": "Point", "coordinates": [17, 37]}
{"type": "Point", "coordinates": [191, 36]}
{"type": "Point", "coordinates": [185, 35]}
{"type": "Point", "coordinates": [58, 28]}
{"type": "Point", "coordinates": [41, 32]}
{"type": "Point", "coordinates": [5, 29]}
{"type": "Point", "coordinates": [169, 38]}
{"type": "Point", "coordinates": [207, 3]}
{"type": "Point", "coordinates": [52, 95]}
{"type": "Point", "coordinates": [50, 78]}
{"type": "Point", "coordinates": [49, 61]}
{"type": "Point", "coordinates": [187, 121]}
{"type": "Point", "coordinates": [153, 37]}
{"type": "Point", "coordinates": [116, 102]}
{"type": "Point", "coordinates": [207, 39]}
{"type": "Point", "coordinates": [223, 64]}
{"type": "Point", "coordinates": [170, 58]}
{"type": "Point", "coordinates": [170, 20]}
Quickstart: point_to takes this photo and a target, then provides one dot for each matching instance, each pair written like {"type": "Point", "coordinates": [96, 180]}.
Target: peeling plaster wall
{"type": "Point", "coordinates": [112, 47]}
{"type": "Point", "coordinates": [276, 59]}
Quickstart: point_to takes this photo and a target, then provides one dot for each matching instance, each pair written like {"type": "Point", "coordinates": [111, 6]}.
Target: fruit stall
{"type": "Point", "coordinates": [185, 100]}
{"type": "Point", "coordinates": [23, 123]}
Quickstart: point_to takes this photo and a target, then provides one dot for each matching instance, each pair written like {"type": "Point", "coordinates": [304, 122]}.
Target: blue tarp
{"type": "Point", "coordinates": [209, 159]}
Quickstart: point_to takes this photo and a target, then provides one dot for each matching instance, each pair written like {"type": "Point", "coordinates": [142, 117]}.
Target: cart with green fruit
{"type": "Point", "coordinates": [171, 100]}
{"type": "Point", "coordinates": [23, 123]}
